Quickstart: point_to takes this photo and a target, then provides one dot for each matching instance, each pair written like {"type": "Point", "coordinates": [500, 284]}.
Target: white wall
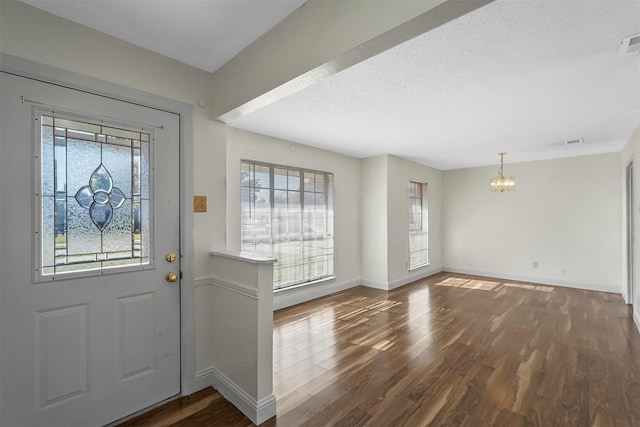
{"type": "Point", "coordinates": [373, 221]}
{"type": "Point", "coordinates": [631, 152]}
{"type": "Point", "coordinates": [346, 175]}
{"type": "Point", "coordinates": [564, 214]}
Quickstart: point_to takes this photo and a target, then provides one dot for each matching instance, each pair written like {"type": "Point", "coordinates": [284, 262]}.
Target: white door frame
{"type": "Point", "coordinates": [69, 79]}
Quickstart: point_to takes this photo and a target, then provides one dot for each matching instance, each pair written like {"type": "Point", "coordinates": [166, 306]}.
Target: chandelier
{"type": "Point", "coordinates": [502, 183]}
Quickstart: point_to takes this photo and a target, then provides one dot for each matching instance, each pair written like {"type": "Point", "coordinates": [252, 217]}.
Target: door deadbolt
{"type": "Point", "coordinates": [170, 257]}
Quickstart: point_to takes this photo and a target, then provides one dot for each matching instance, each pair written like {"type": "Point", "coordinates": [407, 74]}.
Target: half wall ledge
{"type": "Point", "coordinates": [242, 304]}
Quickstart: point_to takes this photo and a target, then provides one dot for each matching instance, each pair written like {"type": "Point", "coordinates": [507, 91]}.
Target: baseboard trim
{"type": "Point", "coordinates": [417, 275]}
{"type": "Point", "coordinates": [375, 284]}
{"type": "Point", "coordinates": [258, 411]}
{"type": "Point", "coordinates": [284, 298]}
{"type": "Point", "coordinates": [203, 379]}
{"type": "Point", "coordinates": [540, 280]}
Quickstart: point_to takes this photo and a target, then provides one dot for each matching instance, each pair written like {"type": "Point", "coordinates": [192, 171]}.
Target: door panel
{"type": "Point", "coordinates": [85, 348]}
{"type": "Point", "coordinates": [63, 342]}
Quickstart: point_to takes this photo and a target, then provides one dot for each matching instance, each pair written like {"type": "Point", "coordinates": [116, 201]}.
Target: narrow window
{"type": "Point", "coordinates": [418, 225]}
{"type": "Point", "coordinates": [287, 213]}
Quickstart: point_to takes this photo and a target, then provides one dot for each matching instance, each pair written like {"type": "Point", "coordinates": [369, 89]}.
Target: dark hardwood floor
{"type": "Point", "coordinates": [447, 350]}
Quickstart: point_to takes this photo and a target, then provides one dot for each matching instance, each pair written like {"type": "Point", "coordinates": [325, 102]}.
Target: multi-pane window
{"type": "Point", "coordinates": [287, 213]}
{"type": "Point", "coordinates": [418, 225]}
{"type": "Point", "coordinates": [94, 196]}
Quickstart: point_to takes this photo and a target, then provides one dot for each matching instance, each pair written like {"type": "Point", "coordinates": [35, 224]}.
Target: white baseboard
{"type": "Point", "coordinates": [375, 284]}
{"type": "Point", "coordinates": [287, 298]}
{"type": "Point", "coordinates": [204, 379]}
{"type": "Point", "coordinates": [636, 317]}
{"type": "Point", "coordinates": [412, 277]}
{"type": "Point", "coordinates": [258, 411]}
{"type": "Point", "coordinates": [540, 280]}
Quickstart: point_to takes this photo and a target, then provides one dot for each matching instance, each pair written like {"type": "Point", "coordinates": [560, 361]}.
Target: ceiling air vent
{"type": "Point", "coordinates": [573, 141]}
{"type": "Point", "coordinates": [630, 45]}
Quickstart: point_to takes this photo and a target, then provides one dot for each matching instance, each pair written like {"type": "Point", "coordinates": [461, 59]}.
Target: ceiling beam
{"type": "Point", "coordinates": [321, 38]}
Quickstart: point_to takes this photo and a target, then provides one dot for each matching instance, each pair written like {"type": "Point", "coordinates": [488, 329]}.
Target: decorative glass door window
{"type": "Point", "coordinates": [94, 196]}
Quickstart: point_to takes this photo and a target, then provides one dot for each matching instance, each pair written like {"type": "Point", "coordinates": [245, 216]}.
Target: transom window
{"type": "Point", "coordinates": [418, 225]}
{"type": "Point", "coordinates": [93, 196]}
{"type": "Point", "coordinates": [287, 213]}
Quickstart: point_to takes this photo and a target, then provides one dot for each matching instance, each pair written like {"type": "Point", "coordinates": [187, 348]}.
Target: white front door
{"type": "Point", "coordinates": [89, 210]}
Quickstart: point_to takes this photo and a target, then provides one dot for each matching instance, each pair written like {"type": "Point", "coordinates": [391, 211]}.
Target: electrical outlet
{"type": "Point", "coordinates": [535, 264]}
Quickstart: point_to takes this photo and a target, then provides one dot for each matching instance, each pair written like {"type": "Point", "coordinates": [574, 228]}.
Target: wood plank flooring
{"type": "Point", "coordinates": [447, 350]}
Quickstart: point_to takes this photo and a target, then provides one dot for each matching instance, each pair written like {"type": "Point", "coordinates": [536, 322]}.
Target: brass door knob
{"type": "Point", "coordinates": [170, 257]}
{"type": "Point", "coordinates": [172, 277]}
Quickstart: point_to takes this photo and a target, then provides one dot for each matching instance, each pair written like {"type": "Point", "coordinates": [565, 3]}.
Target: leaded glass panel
{"type": "Point", "coordinates": [94, 196]}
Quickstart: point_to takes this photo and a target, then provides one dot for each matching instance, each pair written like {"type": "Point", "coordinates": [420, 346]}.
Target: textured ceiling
{"type": "Point", "coordinates": [514, 76]}
{"type": "Point", "coordinates": [519, 76]}
{"type": "Point", "coordinates": [202, 33]}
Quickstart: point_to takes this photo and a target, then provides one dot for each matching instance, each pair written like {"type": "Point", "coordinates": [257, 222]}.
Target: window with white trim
{"type": "Point", "coordinates": [287, 213]}
{"type": "Point", "coordinates": [418, 225]}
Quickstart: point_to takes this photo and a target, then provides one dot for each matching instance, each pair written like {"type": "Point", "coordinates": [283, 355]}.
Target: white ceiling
{"type": "Point", "coordinates": [202, 33]}
{"type": "Point", "coordinates": [514, 76]}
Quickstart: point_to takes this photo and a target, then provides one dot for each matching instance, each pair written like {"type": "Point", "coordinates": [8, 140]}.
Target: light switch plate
{"type": "Point", "coordinates": [199, 203]}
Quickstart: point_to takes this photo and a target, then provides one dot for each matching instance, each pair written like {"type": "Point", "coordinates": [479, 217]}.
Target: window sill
{"type": "Point", "coordinates": [302, 285]}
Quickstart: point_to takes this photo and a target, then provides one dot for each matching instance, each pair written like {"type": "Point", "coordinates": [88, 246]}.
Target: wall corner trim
{"type": "Point", "coordinates": [258, 411]}
{"type": "Point", "coordinates": [203, 379]}
{"type": "Point", "coordinates": [636, 318]}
